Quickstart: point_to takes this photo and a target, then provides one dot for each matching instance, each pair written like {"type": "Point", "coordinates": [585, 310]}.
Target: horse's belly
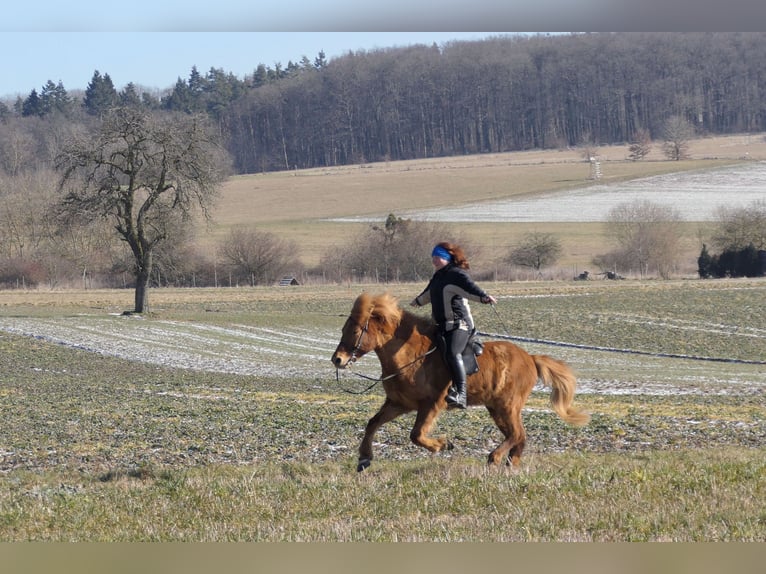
{"type": "Point", "coordinates": [409, 397]}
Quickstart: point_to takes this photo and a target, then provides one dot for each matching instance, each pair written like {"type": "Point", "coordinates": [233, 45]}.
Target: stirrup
{"type": "Point", "coordinates": [453, 400]}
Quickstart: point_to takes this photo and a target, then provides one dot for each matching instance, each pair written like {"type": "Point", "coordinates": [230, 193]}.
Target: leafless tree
{"type": "Point", "coordinates": [398, 250]}
{"type": "Point", "coordinates": [648, 235]}
{"type": "Point", "coordinates": [258, 257]}
{"type": "Point", "coordinates": [737, 227]}
{"type": "Point", "coordinates": [141, 171]}
{"type": "Point", "coordinates": [677, 132]}
{"type": "Point", "coordinates": [17, 148]}
{"type": "Point", "coordinates": [536, 250]}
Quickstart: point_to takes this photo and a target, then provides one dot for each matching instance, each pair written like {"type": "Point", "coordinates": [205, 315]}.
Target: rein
{"type": "Point", "coordinates": [381, 379]}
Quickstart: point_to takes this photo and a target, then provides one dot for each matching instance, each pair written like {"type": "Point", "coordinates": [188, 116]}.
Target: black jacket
{"type": "Point", "coordinates": [448, 292]}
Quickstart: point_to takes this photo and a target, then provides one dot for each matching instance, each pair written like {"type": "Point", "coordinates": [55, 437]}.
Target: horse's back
{"type": "Point", "coordinates": [505, 369]}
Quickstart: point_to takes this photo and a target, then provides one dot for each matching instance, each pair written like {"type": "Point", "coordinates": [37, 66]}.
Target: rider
{"type": "Point", "coordinates": [448, 291]}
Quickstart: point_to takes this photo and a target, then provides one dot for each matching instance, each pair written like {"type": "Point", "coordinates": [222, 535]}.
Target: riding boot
{"type": "Point", "coordinates": [456, 396]}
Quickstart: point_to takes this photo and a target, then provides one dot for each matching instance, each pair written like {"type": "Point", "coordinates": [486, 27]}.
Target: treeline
{"type": "Point", "coordinates": [500, 94]}
{"type": "Point", "coordinates": [505, 94]}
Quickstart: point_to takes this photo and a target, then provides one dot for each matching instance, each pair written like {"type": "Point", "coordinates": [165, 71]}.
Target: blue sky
{"type": "Point", "coordinates": [157, 59]}
{"type": "Point", "coordinates": [152, 43]}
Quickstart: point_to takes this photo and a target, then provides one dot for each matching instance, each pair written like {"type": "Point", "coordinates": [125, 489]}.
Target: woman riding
{"type": "Point", "coordinates": [448, 291]}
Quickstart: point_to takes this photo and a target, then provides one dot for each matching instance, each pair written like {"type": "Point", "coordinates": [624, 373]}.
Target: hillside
{"type": "Point", "coordinates": [298, 205]}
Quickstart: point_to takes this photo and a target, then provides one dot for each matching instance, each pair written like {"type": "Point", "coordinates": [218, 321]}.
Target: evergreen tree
{"type": "Point", "coordinates": [180, 99]}
{"type": "Point", "coordinates": [196, 82]}
{"type": "Point", "coordinates": [55, 98]}
{"type": "Point", "coordinates": [705, 263]}
{"type": "Point", "coordinates": [129, 96]}
{"type": "Point", "coordinates": [260, 76]}
{"type": "Point", "coordinates": [100, 95]}
{"type": "Point", "coordinates": [320, 61]}
{"type": "Point", "coordinates": [33, 105]}
{"type": "Point", "coordinates": [150, 102]}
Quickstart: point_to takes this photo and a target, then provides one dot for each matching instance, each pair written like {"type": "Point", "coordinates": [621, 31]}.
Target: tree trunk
{"type": "Point", "coordinates": [143, 273]}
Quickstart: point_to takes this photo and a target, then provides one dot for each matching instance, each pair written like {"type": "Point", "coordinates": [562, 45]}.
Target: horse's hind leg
{"type": "Point", "coordinates": [508, 420]}
{"type": "Point", "coordinates": [388, 412]}
{"type": "Point", "coordinates": [424, 421]}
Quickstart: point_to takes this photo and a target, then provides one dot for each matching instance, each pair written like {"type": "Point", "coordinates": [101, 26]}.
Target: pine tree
{"type": "Point", "coordinates": [100, 95]}
{"type": "Point", "coordinates": [705, 263]}
{"type": "Point", "coordinates": [33, 105]}
{"type": "Point", "coordinates": [320, 61]}
{"type": "Point", "coordinates": [129, 96]}
{"type": "Point", "coordinates": [55, 98]}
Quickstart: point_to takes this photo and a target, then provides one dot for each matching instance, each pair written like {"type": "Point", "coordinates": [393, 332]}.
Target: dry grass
{"type": "Point", "coordinates": [294, 205]}
{"type": "Point", "coordinates": [663, 497]}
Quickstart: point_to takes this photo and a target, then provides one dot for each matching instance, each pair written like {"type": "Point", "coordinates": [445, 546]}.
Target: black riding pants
{"type": "Point", "coordinates": [455, 343]}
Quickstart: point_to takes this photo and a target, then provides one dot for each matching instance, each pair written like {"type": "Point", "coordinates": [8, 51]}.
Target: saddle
{"type": "Point", "coordinates": [473, 349]}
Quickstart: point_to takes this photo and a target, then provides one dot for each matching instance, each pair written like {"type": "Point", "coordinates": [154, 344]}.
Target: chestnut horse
{"type": "Point", "coordinates": [415, 377]}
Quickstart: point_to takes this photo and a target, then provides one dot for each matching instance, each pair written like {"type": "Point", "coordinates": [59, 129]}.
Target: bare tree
{"type": "Point", "coordinates": [677, 132]}
{"type": "Point", "coordinates": [536, 250]}
{"type": "Point", "coordinates": [737, 227]}
{"type": "Point", "coordinates": [399, 250]}
{"type": "Point", "coordinates": [141, 171]}
{"type": "Point", "coordinates": [17, 148]}
{"type": "Point", "coordinates": [648, 235]}
{"type": "Point", "coordinates": [258, 257]}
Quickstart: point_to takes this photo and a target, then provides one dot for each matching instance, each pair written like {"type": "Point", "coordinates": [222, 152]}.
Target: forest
{"type": "Point", "coordinates": [505, 93]}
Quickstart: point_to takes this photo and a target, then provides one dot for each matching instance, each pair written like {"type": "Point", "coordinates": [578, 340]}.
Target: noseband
{"type": "Point", "coordinates": [358, 345]}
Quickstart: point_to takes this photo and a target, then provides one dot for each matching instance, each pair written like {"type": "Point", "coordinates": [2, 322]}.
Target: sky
{"type": "Point", "coordinates": [154, 42]}
{"type": "Point", "coordinates": [158, 59]}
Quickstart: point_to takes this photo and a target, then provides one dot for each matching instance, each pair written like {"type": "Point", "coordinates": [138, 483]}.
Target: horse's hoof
{"type": "Point", "coordinates": [449, 445]}
{"type": "Point", "coordinates": [363, 463]}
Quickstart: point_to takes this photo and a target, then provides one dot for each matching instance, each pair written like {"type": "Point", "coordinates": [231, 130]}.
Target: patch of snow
{"type": "Point", "coordinates": [695, 195]}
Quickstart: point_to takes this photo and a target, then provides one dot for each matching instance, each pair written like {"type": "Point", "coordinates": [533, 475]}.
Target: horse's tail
{"type": "Point", "coordinates": [561, 379]}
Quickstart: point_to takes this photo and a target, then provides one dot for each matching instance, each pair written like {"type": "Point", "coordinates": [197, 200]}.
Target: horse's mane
{"type": "Point", "coordinates": [385, 307]}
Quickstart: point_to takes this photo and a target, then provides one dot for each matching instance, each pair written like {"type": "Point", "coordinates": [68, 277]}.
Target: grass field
{"type": "Point", "coordinates": [218, 417]}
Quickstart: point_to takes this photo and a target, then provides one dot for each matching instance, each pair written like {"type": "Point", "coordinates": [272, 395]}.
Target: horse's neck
{"type": "Point", "coordinates": [407, 344]}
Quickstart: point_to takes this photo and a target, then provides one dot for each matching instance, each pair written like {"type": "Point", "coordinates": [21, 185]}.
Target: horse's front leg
{"type": "Point", "coordinates": [388, 412]}
{"type": "Point", "coordinates": [427, 414]}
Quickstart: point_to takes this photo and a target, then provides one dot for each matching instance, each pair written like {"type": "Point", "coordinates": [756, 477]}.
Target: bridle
{"type": "Point", "coordinates": [357, 347]}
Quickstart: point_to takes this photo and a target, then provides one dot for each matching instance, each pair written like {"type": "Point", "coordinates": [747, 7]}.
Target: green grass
{"type": "Point", "coordinates": [95, 448]}
{"type": "Point", "coordinates": [661, 496]}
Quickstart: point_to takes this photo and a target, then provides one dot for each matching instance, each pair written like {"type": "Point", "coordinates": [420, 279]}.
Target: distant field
{"type": "Point", "coordinates": [296, 205]}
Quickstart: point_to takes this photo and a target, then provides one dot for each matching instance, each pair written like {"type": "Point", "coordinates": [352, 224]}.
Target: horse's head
{"type": "Point", "coordinates": [370, 325]}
